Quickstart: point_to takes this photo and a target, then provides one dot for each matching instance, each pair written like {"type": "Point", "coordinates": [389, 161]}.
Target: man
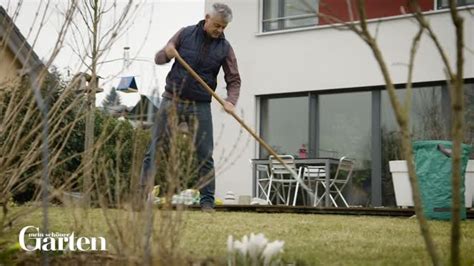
{"type": "Point", "coordinates": [205, 49]}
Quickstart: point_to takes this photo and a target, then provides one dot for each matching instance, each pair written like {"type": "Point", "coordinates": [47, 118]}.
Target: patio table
{"type": "Point", "coordinates": [328, 162]}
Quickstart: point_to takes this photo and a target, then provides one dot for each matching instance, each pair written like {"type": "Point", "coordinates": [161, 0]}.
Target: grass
{"type": "Point", "coordinates": [309, 239]}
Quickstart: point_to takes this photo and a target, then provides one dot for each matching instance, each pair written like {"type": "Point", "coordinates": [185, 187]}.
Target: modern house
{"type": "Point", "coordinates": [308, 83]}
{"type": "Point", "coordinates": [16, 55]}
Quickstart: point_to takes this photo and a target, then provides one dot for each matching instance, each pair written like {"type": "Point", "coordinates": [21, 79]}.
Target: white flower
{"type": "Point", "coordinates": [242, 247]}
{"type": "Point", "coordinates": [256, 245]}
{"type": "Point", "coordinates": [230, 244]}
{"type": "Point", "coordinates": [230, 251]}
{"type": "Point", "coordinates": [272, 249]}
{"type": "Point", "coordinates": [253, 250]}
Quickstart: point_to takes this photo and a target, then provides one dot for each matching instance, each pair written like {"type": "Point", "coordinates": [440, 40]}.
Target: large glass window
{"type": "Point", "coordinates": [287, 14]}
{"type": "Point", "coordinates": [445, 3]}
{"type": "Point", "coordinates": [284, 124]}
{"type": "Point", "coordinates": [469, 115]}
{"type": "Point", "coordinates": [345, 129]}
{"type": "Point", "coordinates": [427, 121]}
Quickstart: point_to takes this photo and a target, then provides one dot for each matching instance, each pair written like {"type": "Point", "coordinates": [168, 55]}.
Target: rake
{"type": "Point", "coordinates": [239, 120]}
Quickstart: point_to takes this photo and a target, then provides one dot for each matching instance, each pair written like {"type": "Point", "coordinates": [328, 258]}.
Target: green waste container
{"type": "Point", "coordinates": [433, 168]}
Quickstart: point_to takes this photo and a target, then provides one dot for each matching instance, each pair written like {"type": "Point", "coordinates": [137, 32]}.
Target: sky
{"type": "Point", "coordinates": [153, 23]}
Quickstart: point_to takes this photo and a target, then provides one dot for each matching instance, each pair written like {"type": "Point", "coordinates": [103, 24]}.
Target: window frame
{"type": "Point", "coordinates": [262, 116]}
{"type": "Point", "coordinates": [281, 19]}
{"type": "Point", "coordinates": [460, 3]}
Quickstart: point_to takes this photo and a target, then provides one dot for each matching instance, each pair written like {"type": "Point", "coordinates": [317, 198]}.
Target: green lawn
{"type": "Point", "coordinates": [309, 239]}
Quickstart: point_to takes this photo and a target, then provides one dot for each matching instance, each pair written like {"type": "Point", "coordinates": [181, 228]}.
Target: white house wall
{"type": "Point", "coordinates": [318, 59]}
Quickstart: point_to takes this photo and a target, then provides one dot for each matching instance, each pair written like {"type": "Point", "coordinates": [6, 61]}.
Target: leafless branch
{"type": "Point", "coordinates": [411, 65]}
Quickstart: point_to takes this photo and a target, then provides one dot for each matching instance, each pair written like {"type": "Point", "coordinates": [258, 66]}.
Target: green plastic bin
{"type": "Point", "coordinates": [433, 167]}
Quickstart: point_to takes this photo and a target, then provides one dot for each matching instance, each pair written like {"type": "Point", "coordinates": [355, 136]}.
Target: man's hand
{"type": "Point", "coordinates": [170, 51]}
{"type": "Point", "coordinates": [229, 107]}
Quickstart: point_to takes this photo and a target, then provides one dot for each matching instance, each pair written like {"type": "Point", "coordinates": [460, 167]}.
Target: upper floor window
{"type": "Point", "coordinates": [445, 3]}
{"type": "Point", "coordinates": [288, 14]}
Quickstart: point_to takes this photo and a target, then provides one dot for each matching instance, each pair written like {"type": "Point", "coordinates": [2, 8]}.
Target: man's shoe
{"type": "Point", "coordinates": [207, 208]}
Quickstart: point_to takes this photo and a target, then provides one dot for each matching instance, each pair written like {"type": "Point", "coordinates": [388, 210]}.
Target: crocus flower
{"type": "Point", "coordinates": [242, 246]}
{"type": "Point", "coordinates": [256, 245]}
{"type": "Point", "coordinates": [230, 244]}
{"type": "Point", "coordinates": [230, 251]}
{"type": "Point", "coordinates": [253, 250]}
{"type": "Point", "coordinates": [272, 249]}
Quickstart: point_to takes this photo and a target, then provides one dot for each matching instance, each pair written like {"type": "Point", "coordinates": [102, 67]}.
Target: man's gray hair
{"type": "Point", "coordinates": [222, 10]}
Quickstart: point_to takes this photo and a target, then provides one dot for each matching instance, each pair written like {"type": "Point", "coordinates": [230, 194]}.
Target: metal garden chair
{"type": "Point", "coordinates": [281, 179]}
{"type": "Point", "coordinates": [336, 185]}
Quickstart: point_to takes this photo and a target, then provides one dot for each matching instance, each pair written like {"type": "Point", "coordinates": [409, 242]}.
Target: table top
{"type": "Point", "coordinates": [302, 160]}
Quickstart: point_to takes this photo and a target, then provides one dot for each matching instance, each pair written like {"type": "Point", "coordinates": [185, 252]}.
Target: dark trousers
{"type": "Point", "coordinates": [197, 115]}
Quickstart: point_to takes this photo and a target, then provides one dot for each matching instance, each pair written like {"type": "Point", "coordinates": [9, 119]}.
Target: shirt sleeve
{"type": "Point", "coordinates": [232, 77]}
{"type": "Point", "coordinates": [160, 56]}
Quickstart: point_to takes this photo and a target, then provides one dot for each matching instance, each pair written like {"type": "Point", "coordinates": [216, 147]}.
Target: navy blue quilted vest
{"type": "Point", "coordinates": [205, 55]}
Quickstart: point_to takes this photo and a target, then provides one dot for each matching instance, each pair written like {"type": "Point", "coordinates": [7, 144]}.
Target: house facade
{"type": "Point", "coordinates": [308, 85]}
{"type": "Point", "coordinates": [16, 55]}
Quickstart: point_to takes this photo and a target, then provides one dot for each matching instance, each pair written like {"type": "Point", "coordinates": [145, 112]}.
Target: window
{"type": "Point", "coordinates": [288, 14]}
{"type": "Point", "coordinates": [469, 115]}
{"type": "Point", "coordinates": [343, 123]}
{"type": "Point", "coordinates": [445, 3]}
{"type": "Point", "coordinates": [345, 126]}
{"type": "Point", "coordinates": [427, 120]}
{"type": "Point", "coordinates": [284, 124]}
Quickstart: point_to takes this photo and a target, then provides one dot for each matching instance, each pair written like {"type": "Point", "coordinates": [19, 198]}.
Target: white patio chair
{"type": "Point", "coordinates": [310, 175]}
{"type": "Point", "coordinates": [336, 185]}
{"type": "Point", "coordinates": [262, 180]}
{"type": "Point", "coordinates": [281, 179]}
